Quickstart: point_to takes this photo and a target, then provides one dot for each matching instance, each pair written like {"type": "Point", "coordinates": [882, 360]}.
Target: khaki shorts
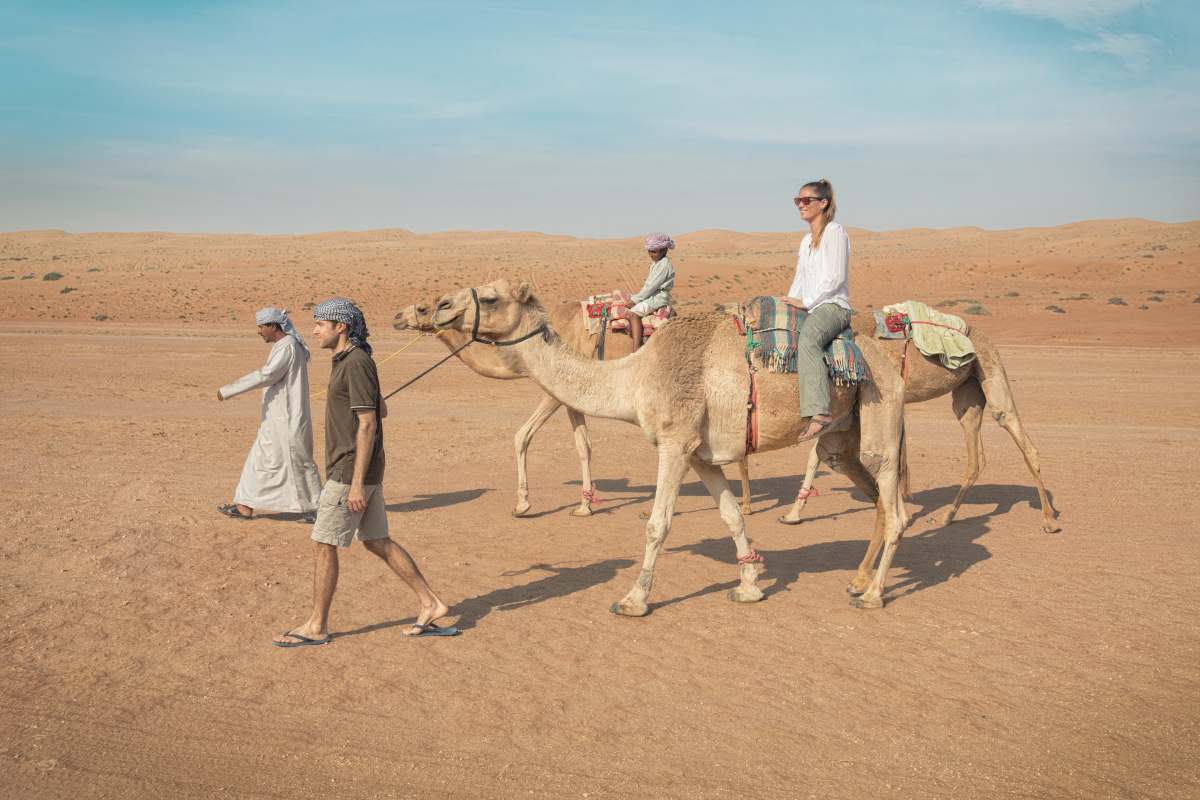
{"type": "Point", "coordinates": [337, 524]}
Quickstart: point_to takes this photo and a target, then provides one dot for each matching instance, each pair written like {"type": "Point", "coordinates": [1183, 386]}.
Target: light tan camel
{"type": "Point", "coordinates": [687, 390]}
{"type": "Point", "coordinates": [484, 360]}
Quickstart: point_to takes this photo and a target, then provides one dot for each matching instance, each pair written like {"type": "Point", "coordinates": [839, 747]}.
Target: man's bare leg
{"type": "Point", "coordinates": [635, 330]}
{"type": "Point", "coordinates": [245, 511]}
{"type": "Point", "coordinates": [432, 608]}
{"type": "Point", "coordinates": [325, 578]}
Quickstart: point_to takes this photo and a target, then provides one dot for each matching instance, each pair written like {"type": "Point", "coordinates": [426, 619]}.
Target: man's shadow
{"type": "Point", "coordinates": [928, 554]}
{"type": "Point", "coordinates": [560, 582]}
{"type": "Point", "coordinates": [423, 502]}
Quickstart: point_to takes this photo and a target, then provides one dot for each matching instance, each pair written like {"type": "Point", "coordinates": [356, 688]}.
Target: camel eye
{"type": "Point", "coordinates": [422, 309]}
{"type": "Point", "coordinates": [444, 305]}
{"type": "Point", "coordinates": [491, 301]}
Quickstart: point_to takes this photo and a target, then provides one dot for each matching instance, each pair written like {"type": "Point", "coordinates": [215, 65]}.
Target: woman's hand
{"type": "Point", "coordinates": [794, 303]}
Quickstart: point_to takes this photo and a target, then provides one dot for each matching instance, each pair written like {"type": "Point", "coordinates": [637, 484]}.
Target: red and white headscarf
{"type": "Point", "coordinates": [659, 241]}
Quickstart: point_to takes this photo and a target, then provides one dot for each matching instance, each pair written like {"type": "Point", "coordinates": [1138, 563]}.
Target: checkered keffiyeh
{"type": "Point", "coordinates": [339, 309]}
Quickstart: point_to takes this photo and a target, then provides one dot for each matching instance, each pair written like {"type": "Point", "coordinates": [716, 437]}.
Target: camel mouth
{"type": "Point", "coordinates": [439, 324]}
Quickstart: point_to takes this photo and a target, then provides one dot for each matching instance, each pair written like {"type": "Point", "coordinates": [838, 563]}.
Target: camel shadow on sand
{"type": "Point", "coordinates": [929, 554]}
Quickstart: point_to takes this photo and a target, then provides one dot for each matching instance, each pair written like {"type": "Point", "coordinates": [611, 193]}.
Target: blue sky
{"type": "Point", "coordinates": [601, 119]}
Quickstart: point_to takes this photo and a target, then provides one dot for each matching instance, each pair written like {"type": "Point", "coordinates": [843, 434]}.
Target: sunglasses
{"type": "Point", "coordinates": [804, 201]}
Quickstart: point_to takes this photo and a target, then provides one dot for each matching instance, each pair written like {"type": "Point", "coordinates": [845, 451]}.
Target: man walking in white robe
{"type": "Point", "coordinates": [279, 474]}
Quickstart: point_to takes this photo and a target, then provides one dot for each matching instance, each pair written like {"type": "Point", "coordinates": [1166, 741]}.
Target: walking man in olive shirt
{"type": "Point", "coordinates": [352, 498]}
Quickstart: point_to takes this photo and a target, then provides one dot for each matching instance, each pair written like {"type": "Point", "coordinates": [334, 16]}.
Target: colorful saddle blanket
{"type": "Point", "coordinates": [612, 309]}
{"type": "Point", "coordinates": [772, 332]}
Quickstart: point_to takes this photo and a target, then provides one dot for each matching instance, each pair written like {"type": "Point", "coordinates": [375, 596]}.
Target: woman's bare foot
{"type": "Point", "coordinates": [818, 423]}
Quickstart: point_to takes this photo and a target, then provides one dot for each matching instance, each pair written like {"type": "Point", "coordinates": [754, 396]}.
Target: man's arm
{"type": "Point", "coordinates": [364, 448]}
{"type": "Point", "coordinates": [278, 363]}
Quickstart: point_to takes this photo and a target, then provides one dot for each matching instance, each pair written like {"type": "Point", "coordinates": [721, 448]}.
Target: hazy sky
{"type": "Point", "coordinates": [612, 120]}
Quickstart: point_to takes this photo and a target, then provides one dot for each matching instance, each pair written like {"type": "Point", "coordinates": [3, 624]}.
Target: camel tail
{"type": "Point", "coordinates": [905, 490]}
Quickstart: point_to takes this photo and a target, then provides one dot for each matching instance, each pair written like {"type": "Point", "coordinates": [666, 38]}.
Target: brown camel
{"type": "Point", "coordinates": [687, 390]}
{"type": "Point", "coordinates": [484, 360]}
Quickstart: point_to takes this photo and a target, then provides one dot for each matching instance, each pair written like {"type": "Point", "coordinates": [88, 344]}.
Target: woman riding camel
{"type": "Point", "coordinates": [821, 287]}
{"type": "Point", "coordinates": [656, 292]}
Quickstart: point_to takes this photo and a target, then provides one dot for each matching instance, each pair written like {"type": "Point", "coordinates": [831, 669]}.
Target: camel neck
{"type": "Point", "coordinates": [595, 388]}
{"type": "Point", "coordinates": [478, 358]}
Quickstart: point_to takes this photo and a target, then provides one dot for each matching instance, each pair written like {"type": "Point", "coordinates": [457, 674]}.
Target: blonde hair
{"type": "Point", "coordinates": [824, 191]}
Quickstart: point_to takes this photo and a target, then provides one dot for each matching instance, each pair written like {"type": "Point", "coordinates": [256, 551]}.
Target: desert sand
{"type": "Point", "coordinates": [136, 621]}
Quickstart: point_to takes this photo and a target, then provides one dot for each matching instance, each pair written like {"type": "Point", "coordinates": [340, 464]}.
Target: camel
{"type": "Point", "coordinates": [687, 390]}
{"type": "Point", "coordinates": [488, 363]}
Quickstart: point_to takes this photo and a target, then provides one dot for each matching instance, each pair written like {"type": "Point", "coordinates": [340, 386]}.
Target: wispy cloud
{"type": "Point", "coordinates": [1072, 13]}
{"type": "Point", "coordinates": [1134, 50]}
{"type": "Point", "coordinates": [1094, 19]}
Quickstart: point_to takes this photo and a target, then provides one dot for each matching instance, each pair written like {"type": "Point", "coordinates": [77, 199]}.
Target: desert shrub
{"type": "Point", "coordinates": [66, 290]}
{"type": "Point", "coordinates": [1117, 301]}
{"type": "Point", "coordinates": [977, 310]}
{"type": "Point", "coordinates": [1056, 309]}
{"type": "Point", "coordinates": [52, 276]}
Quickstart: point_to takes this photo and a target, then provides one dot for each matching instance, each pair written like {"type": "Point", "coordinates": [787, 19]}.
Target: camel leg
{"type": "Point", "coordinates": [672, 466]}
{"type": "Point", "coordinates": [968, 407]}
{"type": "Point", "coordinates": [1000, 402]}
{"type": "Point", "coordinates": [583, 446]}
{"type": "Point", "coordinates": [524, 436]}
{"type": "Point", "coordinates": [882, 429]}
{"type": "Point", "coordinates": [792, 517]}
{"type": "Point", "coordinates": [840, 452]}
{"type": "Point", "coordinates": [744, 469]}
{"type": "Point", "coordinates": [718, 487]}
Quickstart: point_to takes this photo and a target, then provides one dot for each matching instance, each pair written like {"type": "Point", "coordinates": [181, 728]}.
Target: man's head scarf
{"type": "Point", "coordinates": [339, 309]}
{"type": "Point", "coordinates": [279, 316]}
{"type": "Point", "coordinates": [659, 241]}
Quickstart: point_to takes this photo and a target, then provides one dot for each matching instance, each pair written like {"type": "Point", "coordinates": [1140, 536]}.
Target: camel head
{"type": "Point", "coordinates": [417, 317]}
{"type": "Point", "coordinates": [504, 311]}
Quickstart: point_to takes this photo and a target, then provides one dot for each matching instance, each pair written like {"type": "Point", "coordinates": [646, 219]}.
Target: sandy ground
{"type": "Point", "coordinates": [136, 621]}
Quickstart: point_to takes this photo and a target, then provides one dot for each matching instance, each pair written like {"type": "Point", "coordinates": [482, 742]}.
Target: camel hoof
{"type": "Point", "coordinates": [862, 601]}
{"type": "Point", "coordinates": [854, 591]}
{"type": "Point", "coordinates": [624, 609]}
{"type": "Point", "coordinates": [581, 512]}
{"type": "Point", "coordinates": [746, 594]}
{"type": "Point", "coordinates": [1051, 527]}
{"type": "Point", "coordinates": [746, 511]}
{"type": "Point", "coordinates": [786, 520]}
{"type": "Point", "coordinates": [521, 510]}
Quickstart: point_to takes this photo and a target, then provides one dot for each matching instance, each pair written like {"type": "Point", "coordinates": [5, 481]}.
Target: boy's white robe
{"type": "Point", "coordinates": [279, 474]}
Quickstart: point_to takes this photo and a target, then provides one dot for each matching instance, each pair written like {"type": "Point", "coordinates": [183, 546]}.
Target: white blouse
{"type": "Point", "coordinates": [823, 275]}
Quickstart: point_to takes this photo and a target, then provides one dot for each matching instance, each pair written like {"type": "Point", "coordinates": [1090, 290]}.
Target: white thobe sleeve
{"type": "Point", "coordinates": [273, 371]}
{"type": "Point", "coordinates": [654, 281]}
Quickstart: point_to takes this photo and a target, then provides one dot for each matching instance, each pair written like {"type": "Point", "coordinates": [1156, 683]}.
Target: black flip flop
{"type": "Point", "coordinates": [429, 629]}
{"type": "Point", "coordinates": [301, 641]}
{"type": "Point", "coordinates": [231, 510]}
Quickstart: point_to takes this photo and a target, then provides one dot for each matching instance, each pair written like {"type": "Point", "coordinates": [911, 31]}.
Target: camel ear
{"type": "Point", "coordinates": [523, 293]}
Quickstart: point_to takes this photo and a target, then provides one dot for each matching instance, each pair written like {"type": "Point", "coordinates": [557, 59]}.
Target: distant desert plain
{"type": "Point", "coordinates": [136, 621]}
